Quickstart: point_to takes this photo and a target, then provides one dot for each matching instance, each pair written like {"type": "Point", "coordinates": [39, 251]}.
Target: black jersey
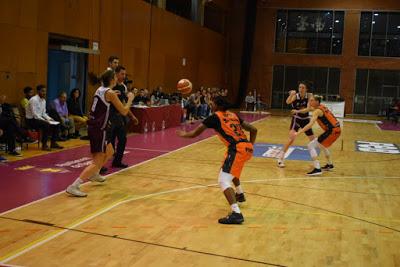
{"type": "Point", "coordinates": [300, 103]}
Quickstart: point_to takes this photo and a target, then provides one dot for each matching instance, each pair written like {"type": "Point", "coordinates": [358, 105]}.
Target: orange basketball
{"type": "Point", "coordinates": [184, 86]}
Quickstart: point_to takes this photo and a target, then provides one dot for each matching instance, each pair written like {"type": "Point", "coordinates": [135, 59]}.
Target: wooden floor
{"type": "Point", "coordinates": [165, 212]}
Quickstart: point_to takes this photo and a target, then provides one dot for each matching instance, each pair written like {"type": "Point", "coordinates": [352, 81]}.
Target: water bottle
{"type": "Point", "coordinates": [153, 126]}
{"type": "Point", "coordinates": [146, 129]}
{"type": "Point", "coordinates": [163, 125]}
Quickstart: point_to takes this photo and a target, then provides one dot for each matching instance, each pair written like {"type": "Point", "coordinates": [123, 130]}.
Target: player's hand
{"type": "Point", "coordinates": [130, 96]}
{"type": "Point", "coordinates": [292, 92]}
{"type": "Point", "coordinates": [134, 120]}
{"type": "Point", "coordinates": [293, 112]}
{"type": "Point", "coordinates": [180, 133]}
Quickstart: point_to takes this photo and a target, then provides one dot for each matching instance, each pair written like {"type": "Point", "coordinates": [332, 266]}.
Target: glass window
{"type": "Point", "coordinates": [153, 2]}
{"type": "Point", "coordinates": [379, 34]}
{"type": "Point", "coordinates": [325, 82]}
{"type": "Point", "coordinates": [280, 36]}
{"type": "Point", "coordinates": [375, 90]}
{"type": "Point", "coordinates": [309, 32]}
{"type": "Point", "coordinates": [179, 7]}
{"type": "Point", "coordinates": [214, 17]}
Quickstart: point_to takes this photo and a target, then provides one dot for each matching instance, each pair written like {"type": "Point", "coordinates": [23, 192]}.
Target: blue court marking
{"type": "Point", "coordinates": [265, 150]}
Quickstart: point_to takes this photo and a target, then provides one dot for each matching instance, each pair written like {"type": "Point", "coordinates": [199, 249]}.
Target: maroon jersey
{"type": "Point", "coordinates": [99, 113]}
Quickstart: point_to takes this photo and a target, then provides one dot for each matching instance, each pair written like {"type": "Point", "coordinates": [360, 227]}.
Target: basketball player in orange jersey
{"type": "Point", "coordinates": [99, 130]}
{"type": "Point", "coordinates": [298, 101]}
{"type": "Point", "coordinates": [229, 128]}
{"type": "Point", "coordinates": [331, 127]}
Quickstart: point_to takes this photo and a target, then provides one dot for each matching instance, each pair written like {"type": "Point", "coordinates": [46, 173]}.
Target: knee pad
{"type": "Point", "coordinates": [312, 146]}
{"type": "Point", "coordinates": [224, 180]}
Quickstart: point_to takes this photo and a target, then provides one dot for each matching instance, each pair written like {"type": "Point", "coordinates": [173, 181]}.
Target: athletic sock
{"type": "Point", "coordinates": [77, 182]}
{"type": "Point", "coordinates": [235, 208]}
{"type": "Point", "coordinates": [239, 189]}
{"type": "Point", "coordinates": [316, 164]}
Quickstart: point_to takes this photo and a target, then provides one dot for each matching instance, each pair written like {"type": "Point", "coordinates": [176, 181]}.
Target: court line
{"type": "Point", "coordinates": [48, 237]}
{"type": "Point", "coordinates": [376, 125]}
{"type": "Point", "coordinates": [146, 149]}
{"type": "Point", "coordinates": [184, 249]}
{"type": "Point", "coordinates": [122, 170]}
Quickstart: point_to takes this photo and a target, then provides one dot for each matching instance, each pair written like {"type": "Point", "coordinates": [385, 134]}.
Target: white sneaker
{"type": "Point", "coordinates": [75, 191]}
{"type": "Point", "coordinates": [281, 163]}
{"type": "Point", "coordinates": [98, 178]}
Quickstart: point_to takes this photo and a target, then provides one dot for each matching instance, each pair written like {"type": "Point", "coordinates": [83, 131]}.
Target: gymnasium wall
{"type": "Point", "coordinates": [264, 58]}
{"type": "Point", "coordinates": [122, 28]}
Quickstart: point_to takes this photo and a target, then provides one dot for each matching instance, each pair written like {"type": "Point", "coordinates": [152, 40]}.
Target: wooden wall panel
{"type": "Point", "coordinates": [25, 49]}
{"type": "Point", "coordinates": [8, 48]}
{"type": "Point", "coordinates": [51, 16]}
{"type": "Point", "coordinates": [28, 13]}
{"type": "Point", "coordinates": [122, 28]}
{"type": "Point", "coordinates": [9, 12]}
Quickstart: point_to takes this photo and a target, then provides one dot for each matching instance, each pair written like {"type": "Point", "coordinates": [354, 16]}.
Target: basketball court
{"type": "Point", "coordinates": [164, 211]}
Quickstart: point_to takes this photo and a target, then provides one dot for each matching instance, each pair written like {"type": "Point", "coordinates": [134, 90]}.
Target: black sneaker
{"type": "Point", "coordinates": [56, 146]}
{"type": "Point", "coordinates": [119, 165]}
{"type": "Point", "coordinates": [240, 197]}
{"type": "Point", "coordinates": [103, 170]}
{"type": "Point", "coordinates": [327, 167]}
{"type": "Point", "coordinates": [314, 172]}
{"type": "Point", "coordinates": [14, 153]}
{"type": "Point", "coordinates": [233, 218]}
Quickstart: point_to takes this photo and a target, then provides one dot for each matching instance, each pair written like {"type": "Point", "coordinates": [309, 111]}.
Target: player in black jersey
{"type": "Point", "coordinates": [298, 101]}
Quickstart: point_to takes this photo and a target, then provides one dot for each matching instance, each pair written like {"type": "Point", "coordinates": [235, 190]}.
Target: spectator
{"type": "Point", "coordinates": [203, 104]}
{"type": "Point", "coordinates": [75, 111]}
{"type": "Point", "coordinates": [394, 110]}
{"type": "Point", "coordinates": [37, 118]}
{"type": "Point", "coordinates": [28, 92]}
{"type": "Point", "coordinates": [191, 107]}
{"type": "Point", "coordinates": [8, 126]}
{"type": "Point", "coordinates": [260, 105]}
{"type": "Point", "coordinates": [141, 98]}
{"type": "Point", "coordinates": [61, 107]}
{"type": "Point", "coordinates": [250, 102]}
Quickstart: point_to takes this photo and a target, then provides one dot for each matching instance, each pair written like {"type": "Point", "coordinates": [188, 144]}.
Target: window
{"type": "Point", "coordinates": [153, 2]}
{"type": "Point", "coordinates": [379, 34]}
{"type": "Point", "coordinates": [179, 7]}
{"type": "Point", "coordinates": [214, 17]}
{"type": "Point", "coordinates": [325, 82]}
{"type": "Point", "coordinates": [375, 89]}
{"type": "Point", "coordinates": [309, 32]}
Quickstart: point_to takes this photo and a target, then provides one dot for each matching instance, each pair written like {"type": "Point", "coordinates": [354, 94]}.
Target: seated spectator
{"type": "Point", "coordinates": [191, 107]}
{"type": "Point", "coordinates": [61, 107]}
{"type": "Point", "coordinates": [10, 128]}
{"type": "Point", "coordinates": [75, 111]}
{"type": "Point", "coordinates": [203, 104]}
{"type": "Point", "coordinates": [28, 92]}
{"type": "Point", "coordinates": [394, 110]}
{"type": "Point", "coordinates": [250, 102]}
{"type": "Point", "coordinates": [260, 104]}
{"type": "Point", "coordinates": [141, 98]}
{"type": "Point", "coordinates": [37, 118]}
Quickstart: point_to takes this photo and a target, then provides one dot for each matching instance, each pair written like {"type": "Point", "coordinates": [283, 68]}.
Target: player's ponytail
{"type": "Point", "coordinates": [222, 103]}
{"type": "Point", "coordinates": [105, 78]}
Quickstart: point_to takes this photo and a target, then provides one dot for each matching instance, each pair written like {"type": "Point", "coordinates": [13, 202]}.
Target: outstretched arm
{"type": "Point", "coordinates": [193, 133]}
{"type": "Point", "coordinates": [314, 118]}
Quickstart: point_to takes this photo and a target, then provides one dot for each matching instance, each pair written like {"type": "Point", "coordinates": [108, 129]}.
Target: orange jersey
{"type": "Point", "coordinates": [228, 127]}
{"type": "Point", "coordinates": [327, 120]}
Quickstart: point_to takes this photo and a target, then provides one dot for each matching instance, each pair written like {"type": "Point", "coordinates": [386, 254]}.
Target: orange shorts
{"type": "Point", "coordinates": [329, 137]}
{"type": "Point", "coordinates": [235, 158]}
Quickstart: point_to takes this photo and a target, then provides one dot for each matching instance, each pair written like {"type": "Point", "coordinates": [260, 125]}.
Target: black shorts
{"type": "Point", "coordinates": [297, 123]}
{"type": "Point", "coordinates": [98, 140]}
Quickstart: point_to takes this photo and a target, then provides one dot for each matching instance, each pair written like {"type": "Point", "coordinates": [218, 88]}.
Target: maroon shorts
{"type": "Point", "coordinates": [98, 140]}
